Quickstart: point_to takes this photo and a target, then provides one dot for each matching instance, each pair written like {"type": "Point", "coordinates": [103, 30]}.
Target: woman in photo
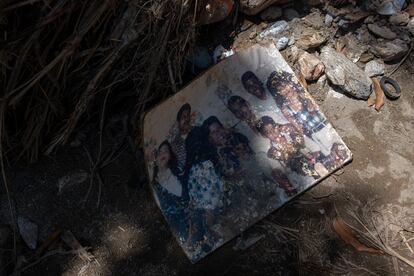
{"type": "Point", "coordinates": [205, 188]}
{"type": "Point", "coordinates": [169, 190]}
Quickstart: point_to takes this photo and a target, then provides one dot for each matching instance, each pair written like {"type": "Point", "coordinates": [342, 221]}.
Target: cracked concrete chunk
{"type": "Point", "coordinates": [345, 74]}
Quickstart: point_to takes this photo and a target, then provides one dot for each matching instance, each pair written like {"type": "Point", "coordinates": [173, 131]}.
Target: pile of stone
{"type": "Point", "coordinates": [348, 46]}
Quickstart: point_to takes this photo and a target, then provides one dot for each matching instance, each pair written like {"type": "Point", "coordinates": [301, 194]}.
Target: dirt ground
{"type": "Point", "coordinates": [125, 231]}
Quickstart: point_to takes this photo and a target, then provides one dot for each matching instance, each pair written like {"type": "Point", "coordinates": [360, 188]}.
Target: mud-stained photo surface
{"type": "Point", "coordinates": [235, 145]}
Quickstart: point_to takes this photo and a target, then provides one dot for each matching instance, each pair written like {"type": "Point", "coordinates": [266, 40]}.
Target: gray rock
{"type": "Point", "coordinates": [390, 50]}
{"type": "Point", "coordinates": [310, 66]}
{"type": "Point", "coordinates": [345, 74]}
{"type": "Point", "coordinates": [274, 29]}
{"type": "Point", "coordinates": [328, 20]}
{"type": "Point", "coordinates": [289, 14]}
{"type": "Point", "coordinates": [382, 31]}
{"type": "Point", "coordinates": [271, 13]}
{"type": "Point", "coordinates": [386, 7]}
{"type": "Point", "coordinates": [292, 54]}
{"type": "Point", "coordinates": [375, 68]}
{"type": "Point", "coordinates": [309, 39]}
{"type": "Point", "coordinates": [401, 18]}
{"type": "Point", "coordinates": [322, 81]}
{"type": "Point", "coordinates": [253, 35]}
{"type": "Point", "coordinates": [410, 26]}
{"type": "Point", "coordinates": [282, 43]}
{"type": "Point", "coordinates": [253, 7]}
{"type": "Point", "coordinates": [343, 24]}
{"type": "Point", "coordinates": [363, 35]}
{"type": "Point", "coordinates": [369, 19]}
{"type": "Point", "coordinates": [314, 20]}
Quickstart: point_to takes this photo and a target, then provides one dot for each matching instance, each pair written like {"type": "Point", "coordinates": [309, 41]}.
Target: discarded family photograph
{"type": "Point", "coordinates": [235, 145]}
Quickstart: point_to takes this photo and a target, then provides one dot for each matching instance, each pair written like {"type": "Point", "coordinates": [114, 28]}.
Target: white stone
{"type": "Point", "coordinates": [374, 68]}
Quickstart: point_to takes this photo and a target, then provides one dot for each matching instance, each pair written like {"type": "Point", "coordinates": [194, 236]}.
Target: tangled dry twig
{"type": "Point", "coordinates": [57, 58]}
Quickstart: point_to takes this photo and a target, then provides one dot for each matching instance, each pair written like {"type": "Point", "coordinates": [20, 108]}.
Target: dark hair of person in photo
{"type": "Point", "coordinates": [263, 122]}
{"type": "Point", "coordinates": [253, 85]}
{"type": "Point", "coordinates": [280, 79]}
{"type": "Point", "coordinates": [240, 144]}
{"type": "Point", "coordinates": [198, 146]}
{"type": "Point", "coordinates": [172, 161]}
{"type": "Point", "coordinates": [185, 107]}
{"type": "Point", "coordinates": [240, 108]}
{"type": "Point", "coordinates": [184, 119]}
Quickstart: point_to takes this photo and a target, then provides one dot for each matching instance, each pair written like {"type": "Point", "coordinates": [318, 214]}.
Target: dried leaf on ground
{"type": "Point", "coordinates": [371, 100]}
{"type": "Point", "coordinates": [347, 235]}
{"type": "Point", "coordinates": [379, 94]}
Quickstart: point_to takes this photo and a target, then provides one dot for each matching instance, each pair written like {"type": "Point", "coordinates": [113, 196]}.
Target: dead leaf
{"type": "Point", "coordinates": [302, 80]}
{"type": "Point", "coordinates": [346, 234]}
{"type": "Point", "coordinates": [371, 100]}
{"type": "Point", "coordinates": [379, 94]}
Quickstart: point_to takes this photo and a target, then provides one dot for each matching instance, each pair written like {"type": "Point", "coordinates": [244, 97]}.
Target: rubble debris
{"type": "Point", "coordinates": [322, 81]}
{"type": "Point", "coordinates": [69, 239]}
{"type": "Point", "coordinates": [310, 66]}
{"type": "Point", "coordinates": [346, 234]}
{"type": "Point", "coordinates": [282, 43]}
{"type": "Point", "coordinates": [375, 68]}
{"type": "Point", "coordinates": [345, 74]}
{"type": "Point", "coordinates": [292, 54]}
{"type": "Point", "coordinates": [70, 180]}
{"type": "Point", "coordinates": [215, 11]}
{"type": "Point", "coordinates": [401, 19]}
{"type": "Point", "coordinates": [274, 29]}
{"type": "Point", "coordinates": [356, 15]}
{"type": "Point", "coordinates": [366, 57]}
{"type": "Point", "coordinates": [390, 50]}
{"type": "Point", "coordinates": [253, 7]}
{"type": "Point", "coordinates": [328, 20]}
{"type": "Point", "coordinates": [314, 20]}
{"type": "Point", "coordinates": [220, 53]}
{"type": "Point", "coordinates": [309, 39]}
{"type": "Point", "coordinates": [379, 94]}
{"type": "Point", "coordinates": [243, 244]}
{"type": "Point", "coordinates": [386, 7]}
{"type": "Point", "coordinates": [384, 32]}
{"type": "Point", "coordinates": [252, 35]}
{"type": "Point", "coordinates": [29, 231]}
{"type": "Point", "coordinates": [410, 26]}
{"type": "Point", "coordinates": [369, 19]}
{"type": "Point", "coordinates": [363, 35]}
{"type": "Point", "coordinates": [271, 13]}
{"type": "Point", "coordinates": [289, 14]}
{"type": "Point", "coordinates": [392, 95]}
{"type": "Point", "coordinates": [343, 24]}
{"type": "Point", "coordinates": [200, 58]}
{"type": "Point", "coordinates": [351, 48]}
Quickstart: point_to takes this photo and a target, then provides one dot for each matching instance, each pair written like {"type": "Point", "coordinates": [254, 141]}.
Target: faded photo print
{"type": "Point", "coordinates": [235, 145]}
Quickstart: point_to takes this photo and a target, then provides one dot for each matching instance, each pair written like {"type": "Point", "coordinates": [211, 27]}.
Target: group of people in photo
{"type": "Point", "coordinates": [211, 184]}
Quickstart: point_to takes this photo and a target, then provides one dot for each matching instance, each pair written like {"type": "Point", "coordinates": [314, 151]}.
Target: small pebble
{"type": "Point", "coordinates": [328, 20]}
